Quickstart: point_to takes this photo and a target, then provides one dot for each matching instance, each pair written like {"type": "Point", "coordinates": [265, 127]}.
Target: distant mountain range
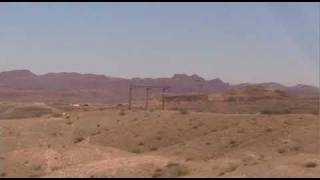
{"type": "Point", "coordinates": [23, 85]}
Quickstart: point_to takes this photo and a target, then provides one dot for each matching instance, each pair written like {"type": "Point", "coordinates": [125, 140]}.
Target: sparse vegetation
{"type": "Point", "coordinates": [37, 168]}
{"type": "Point", "coordinates": [184, 111]}
{"type": "Point", "coordinates": [268, 130]}
{"type": "Point", "coordinates": [159, 138]}
{"type": "Point", "coordinates": [136, 151]}
{"type": "Point", "coordinates": [240, 131]}
{"type": "Point", "coordinates": [296, 148]}
{"type": "Point", "coordinates": [275, 111]}
{"type": "Point", "coordinates": [179, 171]}
{"type": "Point", "coordinates": [232, 143]}
{"type": "Point", "coordinates": [96, 133]}
{"type": "Point", "coordinates": [69, 123]}
{"type": "Point", "coordinates": [153, 149]}
{"type": "Point", "coordinates": [78, 140]}
{"type": "Point", "coordinates": [195, 139]}
{"type": "Point", "coordinates": [56, 168]}
{"type": "Point", "coordinates": [231, 168]}
{"type": "Point", "coordinates": [311, 165]}
{"type": "Point", "coordinates": [281, 150]}
{"type": "Point", "coordinates": [56, 115]}
{"type": "Point", "coordinates": [122, 112]}
{"type": "Point", "coordinates": [3, 174]}
{"type": "Point", "coordinates": [221, 173]}
{"type": "Point", "coordinates": [172, 170]}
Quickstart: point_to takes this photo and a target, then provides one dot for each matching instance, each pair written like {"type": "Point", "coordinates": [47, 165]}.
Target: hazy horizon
{"type": "Point", "coordinates": [170, 76]}
{"type": "Point", "coordinates": [236, 42]}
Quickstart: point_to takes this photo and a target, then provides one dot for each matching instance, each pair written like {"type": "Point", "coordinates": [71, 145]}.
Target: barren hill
{"type": "Point", "coordinates": [23, 85]}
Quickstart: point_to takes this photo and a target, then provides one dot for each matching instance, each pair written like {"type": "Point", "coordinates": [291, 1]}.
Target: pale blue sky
{"type": "Point", "coordinates": [237, 42]}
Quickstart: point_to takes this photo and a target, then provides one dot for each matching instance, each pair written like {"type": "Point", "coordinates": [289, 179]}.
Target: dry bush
{"type": "Point", "coordinates": [213, 130]}
{"type": "Point", "coordinates": [3, 174]}
{"type": "Point", "coordinates": [96, 133]}
{"type": "Point", "coordinates": [310, 165]}
{"type": "Point", "coordinates": [296, 148]}
{"type": "Point", "coordinates": [233, 143]}
{"type": "Point", "coordinates": [69, 123]}
{"type": "Point", "coordinates": [281, 151]}
{"type": "Point", "coordinates": [315, 112]}
{"type": "Point", "coordinates": [37, 168]}
{"type": "Point", "coordinates": [240, 131]}
{"type": "Point", "coordinates": [135, 151]}
{"type": "Point", "coordinates": [172, 170]}
{"type": "Point", "coordinates": [231, 99]}
{"type": "Point", "coordinates": [56, 115]}
{"type": "Point", "coordinates": [78, 140]}
{"type": "Point", "coordinates": [231, 167]}
{"type": "Point", "coordinates": [153, 149]}
{"type": "Point", "coordinates": [268, 130]}
{"type": "Point", "coordinates": [122, 112]}
{"type": "Point", "coordinates": [56, 168]}
{"type": "Point", "coordinates": [275, 111]}
{"type": "Point", "coordinates": [183, 111]}
{"type": "Point", "coordinates": [181, 171]}
{"type": "Point", "coordinates": [159, 138]}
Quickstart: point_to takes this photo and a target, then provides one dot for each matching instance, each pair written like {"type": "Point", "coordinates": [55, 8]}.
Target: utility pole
{"type": "Point", "coordinates": [147, 90]}
{"type": "Point", "coordinates": [130, 96]}
{"type": "Point", "coordinates": [147, 98]}
{"type": "Point", "coordinates": [163, 91]}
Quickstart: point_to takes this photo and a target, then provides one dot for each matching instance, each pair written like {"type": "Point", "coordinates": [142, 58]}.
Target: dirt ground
{"type": "Point", "coordinates": [102, 142]}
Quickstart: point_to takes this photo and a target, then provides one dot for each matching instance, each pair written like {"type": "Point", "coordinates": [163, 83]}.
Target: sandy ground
{"type": "Point", "coordinates": [138, 143]}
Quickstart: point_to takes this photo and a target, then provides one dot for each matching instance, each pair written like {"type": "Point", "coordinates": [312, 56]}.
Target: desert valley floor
{"type": "Point", "coordinates": [113, 142]}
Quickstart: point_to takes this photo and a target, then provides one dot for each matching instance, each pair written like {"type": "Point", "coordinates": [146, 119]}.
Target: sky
{"type": "Point", "coordinates": [237, 42]}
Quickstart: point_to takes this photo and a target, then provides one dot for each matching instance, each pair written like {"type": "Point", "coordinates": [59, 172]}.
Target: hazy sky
{"type": "Point", "coordinates": [237, 42]}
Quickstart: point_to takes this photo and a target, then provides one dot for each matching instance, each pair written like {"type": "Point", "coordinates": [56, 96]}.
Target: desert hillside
{"type": "Point", "coordinates": [110, 142]}
{"type": "Point", "coordinates": [25, 86]}
{"type": "Point", "coordinates": [73, 125]}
